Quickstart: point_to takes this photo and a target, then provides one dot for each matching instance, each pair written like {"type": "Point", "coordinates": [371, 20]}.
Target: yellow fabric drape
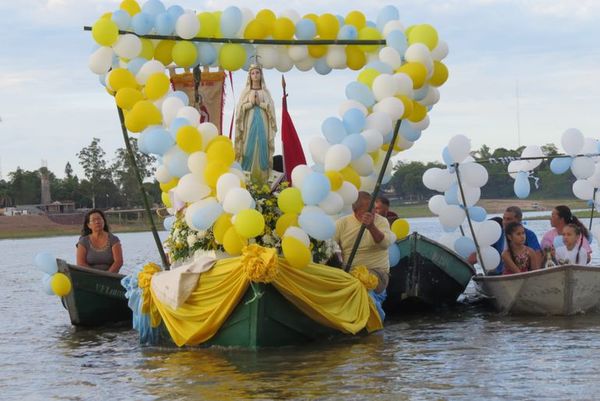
{"type": "Point", "coordinates": [326, 295]}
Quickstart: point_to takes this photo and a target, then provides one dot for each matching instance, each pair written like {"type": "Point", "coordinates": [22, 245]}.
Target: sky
{"type": "Point", "coordinates": [546, 51]}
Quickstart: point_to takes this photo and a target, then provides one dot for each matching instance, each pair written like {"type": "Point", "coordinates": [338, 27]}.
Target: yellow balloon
{"type": "Point", "coordinates": [369, 33]}
{"type": "Point", "coordinates": [317, 51]}
{"type": "Point", "coordinates": [416, 71]}
{"type": "Point", "coordinates": [166, 200]}
{"type": "Point", "coordinates": [121, 78]}
{"type": "Point", "coordinates": [267, 18]}
{"type": "Point", "coordinates": [164, 51]}
{"type": "Point", "coordinates": [375, 156]}
{"type": "Point", "coordinates": [295, 252]}
{"type": "Point", "coordinates": [157, 86]}
{"type": "Point", "coordinates": [209, 25]}
{"type": "Point", "coordinates": [221, 151]}
{"type": "Point", "coordinates": [440, 74]}
{"type": "Point", "coordinates": [351, 176]}
{"type": "Point", "coordinates": [184, 54]}
{"type": "Point", "coordinates": [213, 171]}
{"type": "Point", "coordinates": [60, 284]}
{"type": "Point", "coordinates": [328, 26]}
{"type": "Point", "coordinates": [290, 200]}
{"type": "Point", "coordinates": [367, 76]}
{"type": "Point", "coordinates": [218, 139]}
{"type": "Point", "coordinates": [355, 58]}
{"type": "Point", "coordinates": [131, 6]}
{"type": "Point", "coordinates": [143, 114]}
{"type": "Point", "coordinates": [255, 30]}
{"type": "Point", "coordinates": [312, 16]}
{"type": "Point", "coordinates": [221, 226]}
{"type": "Point", "coordinates": [401, 228]}
{"type": "Point", "coordinates": [419, 112]}
{"type": "Point", "coordinates": [283, 29]}
{"type": "Point", "coordinates": [357, 19]}
{"type": "Point", "coordinates": [232, 56]}
{"type": "Point", "coordinates": [285, 221]}
{"type": "Point", "coordinates": [189, 139]}
{"type": "Point", "coordinates": [425, 34]}
{"type": "Point", "coordinates": [105, 32]}
{"type": "Point", "coordinates": [126, 98]}
{"type": "Point", "coordinates": [335, 179]}
{"type": "Point", "coordinates": [249, 223]}
{"type": "Point", "coordinates": [408, 105]}
{"type": "Point", "coordinates": [147, 49]}
{"type": "Point", "coordinates": [167, 186]}
{"type": "Point", "coordinates": [218, 33]}
{"type": "Point", "coordinates": [233, 242]}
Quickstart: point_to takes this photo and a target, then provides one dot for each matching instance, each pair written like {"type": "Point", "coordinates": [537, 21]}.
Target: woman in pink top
{"type": "Point", "coordinates": [561, 216]}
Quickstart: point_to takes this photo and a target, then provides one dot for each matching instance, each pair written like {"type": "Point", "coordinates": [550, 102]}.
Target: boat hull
{"type": "Point", "coordinates": [562, 290]}
{"type": "Point", "coordinates": [428, 275]}
{"type": "Point", "coordinates": [97, 297]}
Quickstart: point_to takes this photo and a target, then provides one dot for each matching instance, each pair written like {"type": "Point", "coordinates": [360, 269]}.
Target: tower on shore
{"type": "Point", "coordinates": [45, 179]}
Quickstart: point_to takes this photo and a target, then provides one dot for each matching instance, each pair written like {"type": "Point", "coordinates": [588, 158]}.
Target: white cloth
{"type": "Point", "coordinates": [569, 257]}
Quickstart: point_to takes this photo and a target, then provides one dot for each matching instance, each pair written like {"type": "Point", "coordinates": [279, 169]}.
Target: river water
{"type": "Point", "coordinates": [466, 352]}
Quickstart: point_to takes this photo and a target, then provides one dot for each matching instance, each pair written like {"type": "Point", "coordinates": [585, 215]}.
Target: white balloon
{"type": "Point", "coordinates": [100, 60]}
{"type": "Point", "coordinates": [393, 25]}
{"type": "Point", "coordinates": [595, 178]}
{"type": "Point", "coordinates": [368, 183]}
{"type": "Point", "coordinates": [170, 108]}
{"type": "Point", "coordinates": [162, 174]}
{"type": "Point", "coordinates": [590, 146]}
{"type": "Point", "coordinates": [336, 57]}
{"type": "Point", "coordinates": [364, 165]}
{"type": "Point", "coordinates": [284, 61]}
{"type": "Point", "coordinates": [128, 46]}
{"type": "Point", "coordinates": [291, 14]}
{"type": "Point", "coordinates": [392, 106]}
{"type": "Point", "coordinates": [420, 125]}
{"type": "Point", "coordinates": [225, 183]}
{"type": "Point", "coordinates": [299, 173]}
{"type": "Point", "coordinates": [187, 25]}
{"type": "Point", "coordinates": [404, 84]}
{"type": "Point", "coordinates": [459, 147]}
{"type": "Point", "coordinates": [583, 189]}
{"type": "Point", "coordinates": [149, 68]}
{"type": "Point", "coordinates": [197, 162]}
{"type": "Point", "coordinates": [348, 192]}
{"type": "Point", "coordinates": [490, 258]}
{"type": "Point", "coordinates": [533, 151]}
{"type": "Point", "coordinates": [305, 64]}
{"type": "Point", "coordinates": [318, 147]}
{"type": "Point", "coordinates": [583, 167]}
{"type": "Point", "coordinates": [298, 52]}
{"type": "Point", "coordinates": [440, 52]}
{"type": "Point", "coordinates": [332, 204]}
{"type": "Point", "coordinates": [473, 174]}
{"type": "Point", "coordinates": [379, 121]}
{"type": "Point", "coordinates": [373, 138]}
{"type": "Point", "coordinates": [208, 131]}
{"type": "Point", "coordinates": [352, 104]}
{"type": "Point", "coordinates": [297, 233]}
{"type": "Point", "coordinates": [192, 188]}
{"type": "Point", "coordinates": [572, 141]}
{"type": "Point", "coordinates": [436, 204]}
{"type": "Point", "coordinates": [472, 195]}
{"type": "Point", "coordinates": [267, 55]}
{"type": "Point", "coordinates": [337, 157]}
{"type": "Point", "coordinates": [452, 216]}
{"type": "Point", "coordinates": [237, 199]}
{"type": "Point", "coordinates": [488, 232]}
{"type": "Point", "coordinates": [191, 210]}
{"type": "Point", "coordinates": [419, 53]}
{"type": "Point", "coordinates": [390, 56]}
{"type": "Point", "coordinates": [437, 179]}
{"type": "Point", "coordinates": [432, 97]}
{"type": "Point", "coordinates": [383, 86]}
{"type": "Point", "coordinates": [448, 239]}
{"type": "Point", "coordinates": [191, 114]}
{"type": "Point", "coordinates": [516, 166]}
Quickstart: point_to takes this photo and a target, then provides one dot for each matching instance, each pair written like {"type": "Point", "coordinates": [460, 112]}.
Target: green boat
{"type": "Point", "coordinates": [97, 297]}
{"type": "Point", "coordinates": [428, 275]}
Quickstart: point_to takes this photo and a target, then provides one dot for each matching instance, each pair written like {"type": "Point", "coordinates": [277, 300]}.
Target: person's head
{"type": "Point", "coordinates": [361, 205]}
{"type": "Point", "coordinates": [255, 76]}
{"type": "Point", "coordinates": [571, 233]}
{"type": "Point", "coordinates": [515, 233]}
{"type": "Point", "coordinates": [382, 205]}
{"type": "Point", "coordinates": [94, 219]}
{"type": "Point", "coordinates": [561, 216]}
{"type": "Point", "coordinates": [512, 214]}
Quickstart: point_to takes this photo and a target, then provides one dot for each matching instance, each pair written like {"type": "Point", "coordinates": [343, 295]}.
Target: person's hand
{"type": "Point", "coordinates": [256, 101]}
{"type": "Point", "coordinates": [367, 219]}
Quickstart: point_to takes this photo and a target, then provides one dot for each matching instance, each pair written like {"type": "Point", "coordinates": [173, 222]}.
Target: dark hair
{"type": "Point", "coordinates": [383, 199]}
{"type": "Point", "coordinates": [511, 228]}
{"type": "Point", "coordinates": [86, 220]}
{"type": "Point", "coordinates": [577, 230]}
{"type": "Point", "coordinates": [516, 210]}
{"type": "Point", "coordinates": [569, 218]}
{"type": "Point", "coordinates": [363, 197]}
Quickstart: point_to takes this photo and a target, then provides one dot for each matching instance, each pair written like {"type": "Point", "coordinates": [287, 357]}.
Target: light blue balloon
{"type": "Point", "coordinates": [357, 145]}
{"type": "Point", "coordinates": [380, 66]}
{"type": "Point", "coordinates": [385, 15]}
{"type": "Point", "coordinates": [135, 64]}
{"type": "Point", "coordinates": [420, 93]}
{"type": "Point", "coordinates": [558, 241]}
{"type": "Point", "coordinates": [315, 188]}
{"type": "Point", "coordinates": [46, 284]}
{"type": "Point", "coordinates": [477, 213]}
{"type": "Point", "coordinates": [153, 8]}
{"type": "Point", "coordinates": [141, 143]}
{"type": "Point", "coordinates": [394, 255]}
{"type": "Point", "coordinates": [409, 132]}
{"type": "Point", "coordinates": [317, 225]}
{"type": "Point", "coordinates": [305, 29]}
{"type": "Point", "coordinates": [347, 32]}
{"type": "Point", "coordinates": [122, 19]}
{"type": "Point", "coordinates": [371, 24]}
{"type": "Point", "coordinates": [116, 62]}
{"type": "Point", "coordinates": [102, 79]}
{"type": "Point", "coordinates": [341, 20]}
{"type": "Point", "coordinates": [157, 140]}
{"type": "Point", "coordinates": [177, 164]}
{"type": "Point", "coordinates": [451, 195]}
{"type": "Point", "coordinates": [231, 21]}
{"type": "Point", "coordinates": [164, 24]}
{"type": "Point", "coordinates": [207, 54]}
{"type": "Point", "coordinates": [522, 186]}
{"type": "Point", "coordinates": [142, 23]}
{"type": "Point", "coordinates": [175, 11]}
{"type": "Point", "coordinates": [46, 262]}
{"type": "Point", "coordinates": [397, 40]}
{"type": "Point", "coordinates": [321, 66]}
{"type": "Point", "coordinates": [333, 129]}
{"type": "Point", "coordinates": [206, 216]}
{"type": "Point", "coordinates": [387, 138]}
{"type": "Point", "coordinates": [176, 124]}
{"type": "Point", "coordinates": [354, 121]}
{"type": "Point", "coordinates": [448, 160]}
{"type": "Point", "coordinates": [464, 246]}
{"type": "Point", "coordinates": [237, 166]}
{"type": "Point", "coordinates": [318, 167]}
{"type": "Point", "coordinates": [560, 164]}
{"type": "Point", "coordinates": [168, 223]}
{"type": "Point", "coordinates": [183, 96]}
{"type": "Point", "coordinates": [361, 93]}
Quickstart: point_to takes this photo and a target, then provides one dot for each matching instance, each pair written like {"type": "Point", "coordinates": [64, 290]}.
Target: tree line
{"type": "Point", "coordinates": [408, 185]}
{"type": "Point", "coordinates": [106, 183]}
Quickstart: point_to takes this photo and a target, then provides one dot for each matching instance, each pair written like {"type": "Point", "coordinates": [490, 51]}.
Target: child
{"type": "Point", "coordinates": [517, 257]}
{"type": "Point", "coordinates": [572, 253]}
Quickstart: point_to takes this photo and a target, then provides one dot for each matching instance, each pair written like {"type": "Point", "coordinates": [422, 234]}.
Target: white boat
{"type": "Point", "coordinates": [561, 290]}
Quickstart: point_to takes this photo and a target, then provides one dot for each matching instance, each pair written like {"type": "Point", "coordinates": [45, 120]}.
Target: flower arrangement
{"type": "Point", "coordinates": [183, 240]}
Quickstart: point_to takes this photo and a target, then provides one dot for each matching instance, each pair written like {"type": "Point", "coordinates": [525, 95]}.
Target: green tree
{"type": "Point", "coordinates": [25, 187]}
{"type": "Point", "coordinates": [124, 174]}
{"type": "Point", "coordinates": [92, 159]}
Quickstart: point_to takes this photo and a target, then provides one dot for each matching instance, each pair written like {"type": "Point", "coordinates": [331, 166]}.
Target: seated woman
{"type": "Point", "coordinates": [560, 218]}
{"type": "Point", "coordinates": [518, 257]}
{"type": "Point", "coordinates": [571, 252]}
{"type": "Point", "coordinates": [97, 247]}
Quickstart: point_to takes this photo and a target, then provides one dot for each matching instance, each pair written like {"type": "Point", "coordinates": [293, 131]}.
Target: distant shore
{"type": "Point", "coordinates": [29, 226]}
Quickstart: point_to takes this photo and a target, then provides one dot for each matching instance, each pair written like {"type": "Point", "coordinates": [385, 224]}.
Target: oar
{"type": "Point", "coordinates": [363, 227]}
{"type": "Point", "coordinates": [138, 177]}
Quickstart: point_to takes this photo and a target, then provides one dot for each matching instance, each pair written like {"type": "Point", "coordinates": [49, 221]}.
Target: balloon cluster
{"type": "Point", "coordinates": [53, 283]}
{"type": "Point", "coordinates": [520, 170]}
{"type": "Point", "coordinates": [451, 207]}
{"type": "Point", "coordinates": [398, 81]}
{"type": "Point", "coordinates": [583, 163]}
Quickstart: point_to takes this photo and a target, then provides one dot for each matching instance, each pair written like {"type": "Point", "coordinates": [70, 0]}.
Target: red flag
{"type": "Point", "coordinates": [293, 154]}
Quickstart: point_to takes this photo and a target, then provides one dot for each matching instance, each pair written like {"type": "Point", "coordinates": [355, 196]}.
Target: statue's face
{"type": "Point", "coordinates": [255, 75]}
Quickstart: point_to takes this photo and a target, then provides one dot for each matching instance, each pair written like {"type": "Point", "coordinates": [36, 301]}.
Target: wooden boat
{"type": "Point", "coordinates": [561, 290]}
{"type": "Point", "coordinates": [96, 298]}
{"type": "Point", "coordinates": [428, 275]}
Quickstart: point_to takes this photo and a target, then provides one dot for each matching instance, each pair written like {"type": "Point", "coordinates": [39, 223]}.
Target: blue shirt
{"type": "Point", "coordinates": [530, 241]}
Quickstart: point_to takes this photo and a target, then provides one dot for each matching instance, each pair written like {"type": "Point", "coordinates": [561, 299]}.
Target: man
{"type": "Point", "coordinates": [372, 251]}
{"type": "Point", "coordinates": [382, 208]}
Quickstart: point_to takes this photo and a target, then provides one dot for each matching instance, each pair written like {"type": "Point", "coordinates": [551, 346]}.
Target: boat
{"type": "Point", "coordinates": [97, 297]}
{"type": "Point", "coordinates": [428, 275]}
{"type": "Point", "coordinates": [561, 290]}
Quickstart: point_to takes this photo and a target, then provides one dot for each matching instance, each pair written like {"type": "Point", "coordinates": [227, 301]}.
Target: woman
{"type": "Point", "coordinates": [561, 216]}
{"type": "Point", "coordinates": [97, 247]}
{"type": "Point", "coordinates": [255, 127]}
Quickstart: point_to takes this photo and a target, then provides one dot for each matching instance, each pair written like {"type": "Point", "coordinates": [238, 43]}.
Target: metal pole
{"type": "Point", "coordinates": [592, 212]}
{"type": "Point", "coordinates": [362, 229]}
{"type": "Point", "coordinates": [161, 251]}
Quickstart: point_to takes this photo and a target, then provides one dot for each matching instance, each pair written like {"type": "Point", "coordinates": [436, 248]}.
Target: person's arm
{"type": "Point", "coordinates": [117, 252]}
{"type": "Point", "coordinates": [368, 219]}
{"type": "Point", "coordinates": [509, 264]}
{"type": "Point", "coordinates": [81, 255]}
{"type": "Point", "coordinates": [535, 259]}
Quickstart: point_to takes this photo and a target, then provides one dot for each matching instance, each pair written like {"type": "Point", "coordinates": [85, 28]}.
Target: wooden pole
{"type": "Point", "coordinates": [592, 211]}
{"type": "Point", "coordinates": [138, 177]}
{"type": "Point", "coordinates": [362, 229]}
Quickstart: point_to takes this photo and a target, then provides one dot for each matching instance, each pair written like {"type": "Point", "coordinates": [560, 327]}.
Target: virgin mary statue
{"type": "Point", "coordinates": [255, 127]}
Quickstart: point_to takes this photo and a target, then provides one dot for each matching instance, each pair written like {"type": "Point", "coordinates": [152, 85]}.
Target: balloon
{"type": "Point", "coordinates": [387, 14]}
{"type": "Point", "coordinates": [236, 200]}
{"type": "Point", "coordinates": [105, 32]}
{"type": "Point", "coordinates": [191, 188]}
{"type": "Point", "coordinates": [184, 54]}
{"type": "Point", "coordinates": [490, 258]}
{"type": "Point", "coordinates": [522, 186]}
{"type": "Point", "coordinates": [188, 139]}
{"type": "Point", "coordinates": [60, 284]}
{"type": "Point", "coordinates": [436, 204]}
{"type": "Point", "coordinates": [356, 144]}
{"type": "Point", "coordinates": [338, 156]}
{"type": "Point", "coordinates": [249, 223]}
{"type": "Point", "coordinates": [348, 192]}
{"type": "Point", "coordinates": [231, 22]}
{"type": "Point", "coordinates": [477, 213]}
{"type": "Point", "coordinates": [315, 188]}
{"type": "Point", "coordinates": [451, 216]}
{"type": "Point", "coordinates": [299, 234]}
{"type": "Point", "coordinates": [488, 232]}
{"type": "Point", "coordinates": [354, 121]}
{"type": "Point", "coordinates": [225, 183]}
{"type": "Point", "coordinates": [332, 204]}
{"type": "Point", "coordinates": [46, 262]}
{"type": "Point", "coordinates": [222, 224]}
{"type": "Point", "coordinates": [128, 46]}
{"type": "Point", "coordinates": [213, 171]}
{"type": "Point", "coordinates": [317, 224]}
{"type": "Point", "coordinates": [100, 60]}
{"type": "Point", "coordinates": [397, 40]}
{"type": "Point", "coordinates": [207, 214]}
{"type": "Point", "coordinates": [157, 86]}
{"type": "Point", "coordinates": [583, 189]}
{"type": "Point", "coordinates": [572, 141]}
{"type": "Point", "coordinates": [299, 173]}
{"type": "Point", "coordinates": [187, 25]}
{"type": "Point", "coordinates": [334, 130]}
{"type": "Point", "coordinates": [401, 228]}
{"type": "Point", "coordinates": [164, 24]}
{"type": "Point", "coordinates": [425, 34]}
{"type": "Point", "coordinates": [464, 246]}
{"type": "Point", "coordinates": [394, 255]}
{"type": "Point", "coordinates": [361, 93]}
{"type": "Point", "coordinates": [232, 56]}
{"type": "Point", "coordinates": [168, 222]}
{"type": "Point", "coordinates": [290, 200]}
{"type": "Point", "coordinates": [295, 252]}
{"type": "Point", "coordinates": [142, 23]}
{"type": "Point", "coordinates": [560, 165]}
{"type": "Point", "coordinates": [583, 167]}
{"type": "Point", "coordinates": [283, 29]}
{"type": "Point", "coordinates": [473, 174]}
{"type": "Point", "coordinates": [233, 242]}
{"type": "Point", "coordinates": [284, 222]}
{"type": "Point", "coordinates": [459, 147]}
{"type": "Point", "coordinates": [305, 29]}
{"type": "Point", "coordinates": [209, 25]}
